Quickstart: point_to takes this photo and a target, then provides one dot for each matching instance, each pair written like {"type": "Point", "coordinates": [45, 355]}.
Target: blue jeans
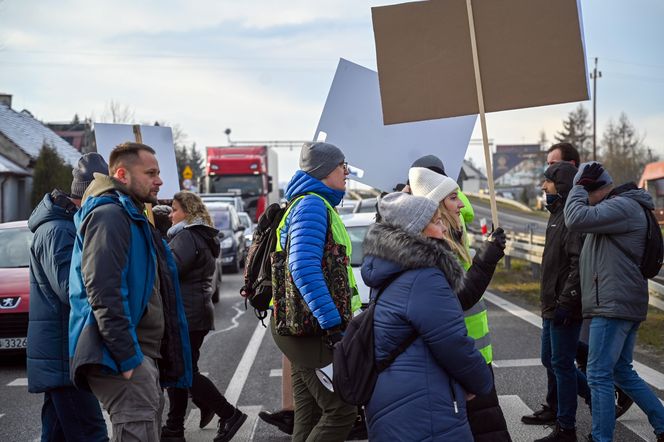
{"type": "Point", "coordinates": [610, 361]}
{"type": "Point", "coordinates": [69, 414]}
{"type": "Point", "coordinates": [559, 343]}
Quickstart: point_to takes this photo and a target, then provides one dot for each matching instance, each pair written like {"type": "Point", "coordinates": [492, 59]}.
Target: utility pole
{"type": "Point", "coordinates": [594, 75]}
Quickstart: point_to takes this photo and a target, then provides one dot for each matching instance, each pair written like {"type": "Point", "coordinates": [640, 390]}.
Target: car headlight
{"type": "Point", "coordinates": [227, 242]}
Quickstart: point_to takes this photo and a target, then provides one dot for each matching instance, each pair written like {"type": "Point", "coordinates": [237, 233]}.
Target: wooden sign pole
{"type": "Point", "coordinates": [480, 103]}
{"type": "Point", "coordinates": [139, 139]}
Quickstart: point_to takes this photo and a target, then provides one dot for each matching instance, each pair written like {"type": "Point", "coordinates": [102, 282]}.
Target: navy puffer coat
{"type": "Point", "coordinates": [50, 256]}
{"type": "Point", "coordinates": [421, 396]}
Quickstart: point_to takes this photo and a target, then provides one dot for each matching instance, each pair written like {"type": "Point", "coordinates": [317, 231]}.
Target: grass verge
{"type": "Point", "coordinates": [518, 286]}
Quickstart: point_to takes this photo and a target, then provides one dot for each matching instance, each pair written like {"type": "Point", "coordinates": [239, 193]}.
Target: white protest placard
{"type": "Point", "coordinates": [159, 138]}
{"type": "Point", "coordinates": [352, 119]}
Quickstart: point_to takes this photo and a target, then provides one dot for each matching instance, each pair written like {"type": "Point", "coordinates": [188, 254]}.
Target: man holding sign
{"type": "Point", "coordinates": [128, 331]}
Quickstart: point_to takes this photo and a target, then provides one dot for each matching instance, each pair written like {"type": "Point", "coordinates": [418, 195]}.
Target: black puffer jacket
{"type": "Point", "coordinates": [195, 249]}
{"type": "Point", "coordinates": [560, 260]}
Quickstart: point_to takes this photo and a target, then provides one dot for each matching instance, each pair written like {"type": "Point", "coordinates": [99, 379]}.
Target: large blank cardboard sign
{"type": "Point", "coordinates": [160, 138]}
{"type": "Point", "coordinates": [352, 120]}
{"type": "Point", "coordinates": [531, 53]}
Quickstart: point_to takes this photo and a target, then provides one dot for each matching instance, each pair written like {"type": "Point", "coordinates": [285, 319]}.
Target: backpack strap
{"type": "Point", "coordinates": [383, 364]}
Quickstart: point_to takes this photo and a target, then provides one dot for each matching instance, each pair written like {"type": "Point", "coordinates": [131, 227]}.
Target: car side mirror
{"type": "Point", "coordinates": [241, 228]}
{"type": "Point", "coordinates": [221, 235]}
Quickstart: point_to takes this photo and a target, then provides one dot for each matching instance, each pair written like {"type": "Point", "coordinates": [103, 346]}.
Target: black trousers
{"type": "Point", "coordinates": [486, 418]}
{"type": "Point", "coordinates": [204, 393]}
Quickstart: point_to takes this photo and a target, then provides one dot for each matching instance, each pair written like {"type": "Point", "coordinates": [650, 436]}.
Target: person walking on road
{"type": "Point", "coordinates": [318, 282]}
{"type": "Point", "coordinates": [68, 414]}
{"type": "Point", "coordinates": [195, 246]}
{"type": "Point", "coordinates": [614, 291]}
{"type": "Point", "coordinates": [486, 418]}
{"type": "Point", "coordinates": [127, 328]}
{"type": "Point", "coordinates": [422, 394]}
{"type": "Point", "coordinates": [560, 298]}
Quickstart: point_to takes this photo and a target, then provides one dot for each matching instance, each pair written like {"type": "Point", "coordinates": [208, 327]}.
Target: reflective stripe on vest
{"type": "Point", "coordinates": [476, 319]}
{"type": "Point", "coordinates": [340, 236]}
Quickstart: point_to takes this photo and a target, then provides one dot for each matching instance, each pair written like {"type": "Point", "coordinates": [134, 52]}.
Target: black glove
{"type": "Point", "coordinates": [590, 176]}
{"type": "Point", "coordinates": [562, 315]}
{"type": "Point", "coordinates": [499, 238]}
{"type": "Point", "coordinates": [332, 338]}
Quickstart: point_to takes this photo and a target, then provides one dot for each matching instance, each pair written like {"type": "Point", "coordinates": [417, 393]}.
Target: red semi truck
{"type": "Point", "coordinates": [248, 170]}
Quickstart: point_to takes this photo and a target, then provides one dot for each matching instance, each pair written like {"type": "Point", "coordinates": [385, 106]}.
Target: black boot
{"type": "Point", "coordinates": [172, 435]}
{"type": "Point", "coordinates": [544, 416]}
{"type": "Point", "coordinates": [228, 427]}
{"type": "Point", "coordinates": [282, 419]}
{"type": "Point", "coordinates": [560, 434]}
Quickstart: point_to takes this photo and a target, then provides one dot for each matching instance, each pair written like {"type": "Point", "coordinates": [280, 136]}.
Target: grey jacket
{"type": "Point", "coordinates": [611, 283]}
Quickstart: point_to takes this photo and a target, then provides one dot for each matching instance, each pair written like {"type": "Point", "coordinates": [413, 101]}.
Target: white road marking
{"type": "Point", "coordinates": [513, 408]}
{"type": "Point", "coordinates": [650, 375]}
{"type": "Point", "coordinates": [18, 382]}
{"type": "Point", "coordinates": [275, 373]}
{"type": "Point", "coordinates": [1, 415]}
{"type": "Point", "coordinates": [637, 421]}
{"type": "Point", "coordinates": [509, 363]}
{"type": "Point", "coordinates": [241, 374]}
{"type": "Point", "coordinates": [246, 432]}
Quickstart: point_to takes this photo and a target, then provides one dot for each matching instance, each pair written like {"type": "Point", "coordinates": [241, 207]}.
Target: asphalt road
{"type": "Point", "coordinates": [245, 364]}
{"type": "Point", "coordinates": [510, 220]}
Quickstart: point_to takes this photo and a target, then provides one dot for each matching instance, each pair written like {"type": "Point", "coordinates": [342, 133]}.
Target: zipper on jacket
{"type": "Point", "coordinates": [595, 280]}
{"type": "Point", "coordinates": [454, 401]}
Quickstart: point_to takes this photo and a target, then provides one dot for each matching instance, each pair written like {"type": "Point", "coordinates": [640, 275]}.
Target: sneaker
{"type": "Point", "coordinates": [228, 428]}
{"type": "Point", "coordinates": [206, 417]}
{"type": "Point", "coordinates": [282, 419]}
{"type": "Point", "coordinates": [171, 435]}
{"type": "Point", "coordinates": [623, 402]}
{"type": "Point", "coordinates": [559, 434]}
{"type": "Point", "coordinates": [545, 416]}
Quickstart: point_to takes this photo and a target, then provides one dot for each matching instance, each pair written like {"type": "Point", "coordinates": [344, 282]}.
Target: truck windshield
{"type": "Point", "coordinates": [249, 185]}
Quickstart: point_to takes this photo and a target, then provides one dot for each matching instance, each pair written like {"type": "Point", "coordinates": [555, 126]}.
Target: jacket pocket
{"type": "Point", "coordinates": [596, 283]}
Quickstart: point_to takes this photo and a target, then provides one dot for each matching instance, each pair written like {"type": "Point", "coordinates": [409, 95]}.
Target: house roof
{"type": "Point", "coordinates": [30, 135]}
{"type": "Point", "coordinates": [652, 171]}
{"type": "Point", "coordinates": [471, 171]}
{"type": "Point", "coordinates": [7, 166]}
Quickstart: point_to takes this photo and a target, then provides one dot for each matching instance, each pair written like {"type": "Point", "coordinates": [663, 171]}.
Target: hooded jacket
{"type": "Point", "coordinates": [112, 279]}
{"type": "Point", "coordinates": [612, 285]}
{"type": "Point", "coordinates": [421, 395]}
{"type": "Point", "coordinates": [560, 280]}
{"type": "Point", "coordinates": [52, 223]}
{"type": "Point", "coordinates": [195, 249]}
{"type": "Point", "coordinates": [306, 226]}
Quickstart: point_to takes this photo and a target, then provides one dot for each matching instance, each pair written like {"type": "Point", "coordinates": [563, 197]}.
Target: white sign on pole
{"type": "Point", "coordinates": [159, 138]}
{"type": "Point", "coordinates": [352, 119]}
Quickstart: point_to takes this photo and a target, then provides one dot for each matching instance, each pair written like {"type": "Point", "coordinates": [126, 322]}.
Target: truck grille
{"type": "Point", "coordinates": [13, 325]}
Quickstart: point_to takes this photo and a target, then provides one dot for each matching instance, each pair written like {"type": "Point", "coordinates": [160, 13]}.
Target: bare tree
{"type": "Point", "coordinates": [623, 152]}
{"type": "Point", "coordinates": [115, 112]}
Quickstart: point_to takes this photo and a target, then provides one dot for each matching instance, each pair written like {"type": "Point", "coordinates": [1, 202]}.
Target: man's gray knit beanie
{"type": "Point", "coordinates": [411, 213]}
{"type": "Point", "coordinates": [430, 162]}
{"type": "Point", "coordinates": [87, 165]}
{"type": "Point", "coordinates": [320, 159]}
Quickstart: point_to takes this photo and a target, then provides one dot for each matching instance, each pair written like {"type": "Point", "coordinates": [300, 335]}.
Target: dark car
{"type": "Point", "coordinates": [15, 240]}
{"type": "Point", "coordinates": [231, 235]}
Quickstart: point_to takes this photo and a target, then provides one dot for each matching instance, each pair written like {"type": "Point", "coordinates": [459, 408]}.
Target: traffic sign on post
{"type": "Point", "coordinates": [187, 173]}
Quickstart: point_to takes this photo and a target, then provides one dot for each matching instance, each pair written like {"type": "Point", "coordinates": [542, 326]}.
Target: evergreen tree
{"type": "Point", "coordinates": [50, 172]}
{"type": "Point", "coordinates": [196, 161]}
{"type": "Point", "coordinates": [623, 153]}
{"type": "Point", "coordinates": [578, 131]}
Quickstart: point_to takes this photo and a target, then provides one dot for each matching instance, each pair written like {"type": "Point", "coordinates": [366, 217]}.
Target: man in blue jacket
{"type": "Point", "coordinates": [68, 413]}
{"type": "Point", "coordinates": [614, 292]}
{"type": "Point", "coordinates": [127, 328]}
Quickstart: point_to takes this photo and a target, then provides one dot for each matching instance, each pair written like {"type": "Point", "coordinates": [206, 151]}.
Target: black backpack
{"type": "Point", "coordinates": [257, 288]}
{"type": "Point", "coordinates": [355, 368]}
{"type": "Point", "coordinates": [653, 252]}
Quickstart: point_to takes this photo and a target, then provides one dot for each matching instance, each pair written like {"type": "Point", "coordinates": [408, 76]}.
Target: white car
{"type": "Point", "coordinates": [357, 225]}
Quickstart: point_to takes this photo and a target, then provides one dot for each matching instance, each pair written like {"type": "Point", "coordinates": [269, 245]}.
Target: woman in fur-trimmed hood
{"type": "Point", "coordinates": [422, 394]}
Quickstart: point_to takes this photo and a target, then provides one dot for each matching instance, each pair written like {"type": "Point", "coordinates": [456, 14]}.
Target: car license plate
{"type": "Point", "coordinates": [13, 343]}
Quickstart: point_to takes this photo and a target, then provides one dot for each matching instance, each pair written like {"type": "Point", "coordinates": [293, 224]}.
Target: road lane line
{"type": "Point", "coordinates": [18, 382]}
{"type": "Point", "coordinates": [513, 408]}
{"type": "Point", "coordinates": [510, 363]}
{"type": "Point", "coordinates": [637, 421]}
{"type": "Point", "coordinates": [241, 374]}
{"type": "Point", "coordinates": [275, 373]}
{"type": "Point", "coordinates": [650, 375]}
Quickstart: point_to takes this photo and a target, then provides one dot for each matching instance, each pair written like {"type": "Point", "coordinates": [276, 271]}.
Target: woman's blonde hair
{"type": "Point", "coordinates": [452, 222]}
{"type": "Point", "coordinates": [193, 207]}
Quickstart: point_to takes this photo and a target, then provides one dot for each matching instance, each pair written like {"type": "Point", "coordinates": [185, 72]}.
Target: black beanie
{"type": "Point", "coordinates": [83, 173]}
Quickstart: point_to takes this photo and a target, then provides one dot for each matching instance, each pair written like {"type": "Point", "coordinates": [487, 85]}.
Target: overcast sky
{"type": "Point", "coordinates": [263, 68]}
